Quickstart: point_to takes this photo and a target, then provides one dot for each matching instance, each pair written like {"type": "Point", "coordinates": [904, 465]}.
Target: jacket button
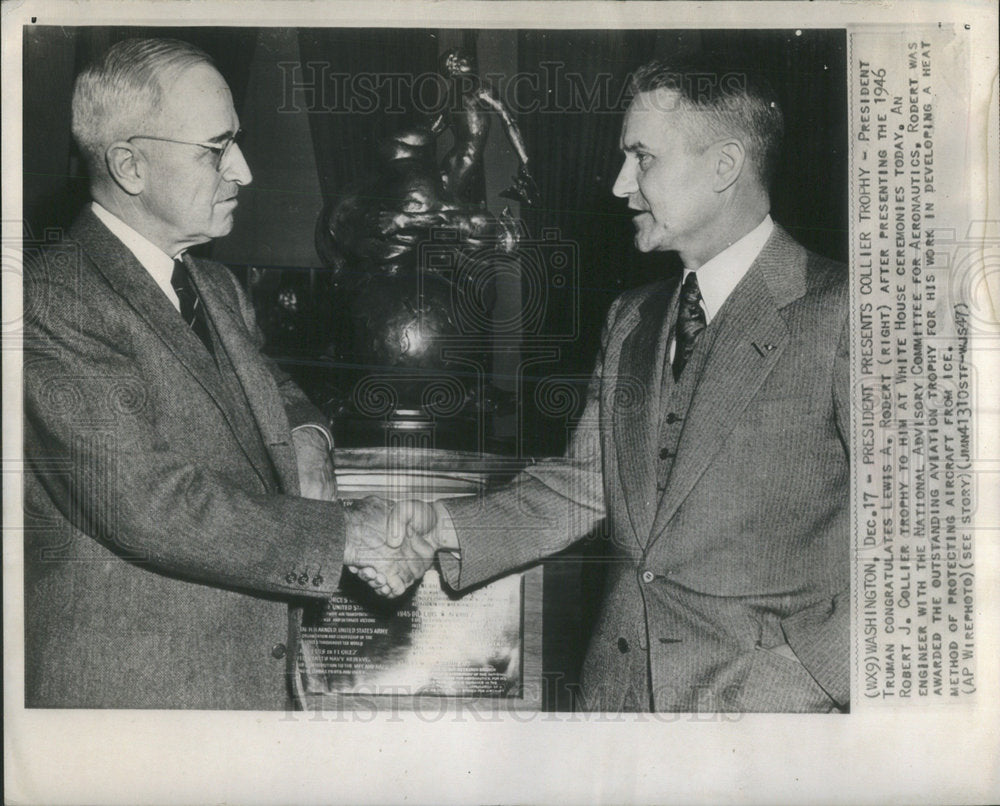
{"type": "Point", "coordinates": [648, 576]}
{"type": "Point", "coordinates": [622, 645]}
{"type": "Point", "coordinates": [278, 651]}
{"type": "Point", "coordinates": [290, 578]}
{"type": "Point", "coordinates": [672, 418]}
{"type": "Point", "coordinates": [664, 453]}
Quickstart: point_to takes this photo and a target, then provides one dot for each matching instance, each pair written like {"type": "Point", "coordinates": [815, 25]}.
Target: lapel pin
{"type": "Point", "coordinates": [763, 349]}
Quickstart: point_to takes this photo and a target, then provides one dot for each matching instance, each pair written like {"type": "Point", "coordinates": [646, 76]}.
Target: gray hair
{"type": "Point", "coordinates": [116, 96]}
{"type": "Point", "coordinates": [729, 100]}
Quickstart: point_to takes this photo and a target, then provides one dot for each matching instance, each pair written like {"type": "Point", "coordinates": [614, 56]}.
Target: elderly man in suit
{"type": "Point", "coordinates": [172, 527]}
{"type": "Point", "coordinates": [715, 438]}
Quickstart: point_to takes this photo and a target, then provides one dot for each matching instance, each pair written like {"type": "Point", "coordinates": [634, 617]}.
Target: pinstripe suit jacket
{"type": "Point", "coordinates": [747, 547]}
{"type": "Point", "coordinates": [164, 538]}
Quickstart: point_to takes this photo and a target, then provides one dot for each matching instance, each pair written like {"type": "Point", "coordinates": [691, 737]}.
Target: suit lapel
{"type": "Point", "coordinates": [132, 283]}
{"type": "Point", "coordinates": [751, 338]}
{"type": "Point", "coordinates": [636, 423]}
{"type": "Point", "coordinates": [127, 278]}
{"type": "Point", "coordinates": [253, 382]}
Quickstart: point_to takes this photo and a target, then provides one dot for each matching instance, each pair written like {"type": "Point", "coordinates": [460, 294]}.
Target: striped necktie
{"type": "Point", "coordinates": [690, 323]}
{"type": "Point", "coordinates": [192, 311]}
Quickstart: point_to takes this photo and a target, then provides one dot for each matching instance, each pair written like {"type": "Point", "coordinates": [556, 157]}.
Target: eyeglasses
{"type": "Point", "coordinates": [220, 150]}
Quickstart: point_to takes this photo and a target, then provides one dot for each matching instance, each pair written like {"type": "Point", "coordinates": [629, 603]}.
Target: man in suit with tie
{"type": "Point", "coordinates": [714, 444]}
{"type": "Point", "coordinates": [179, 498]}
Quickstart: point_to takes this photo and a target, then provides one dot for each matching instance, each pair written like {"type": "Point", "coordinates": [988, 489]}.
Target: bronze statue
{"type": "Point", "coordinates": [377, 227]}
{"type": "Point", "coordinates": [471, 126]}
{"type": "Point", "coordinates": [406, 245]}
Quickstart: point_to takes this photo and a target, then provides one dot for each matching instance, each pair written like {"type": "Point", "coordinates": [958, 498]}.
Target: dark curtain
{"type": "Point", "coordinates": [53, 187]}
{"type": "Point", "coordinates": [573, 141]}
{"type": "Point", "coordinates": [365, 76]}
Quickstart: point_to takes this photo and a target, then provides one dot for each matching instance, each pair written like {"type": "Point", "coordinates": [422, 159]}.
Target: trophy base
{"type": "Point", "coordinates": [408, 429]}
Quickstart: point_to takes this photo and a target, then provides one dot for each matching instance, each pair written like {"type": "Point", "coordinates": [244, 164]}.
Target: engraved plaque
{"type": "Point", "coordinates": [431, 642]}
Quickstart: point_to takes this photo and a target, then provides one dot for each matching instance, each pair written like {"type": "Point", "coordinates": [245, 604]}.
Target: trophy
{"type": "Point", "coordinates": [412, 259]}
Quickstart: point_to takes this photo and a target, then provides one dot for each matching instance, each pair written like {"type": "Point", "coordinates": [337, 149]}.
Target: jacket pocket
{"type": "Point", "coordinates": [764, 681]}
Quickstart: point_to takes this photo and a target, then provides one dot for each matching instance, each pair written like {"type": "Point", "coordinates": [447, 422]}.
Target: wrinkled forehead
{"type": "Point", "coordinates": [663, 100]}
{"type": "Point", "coordinates": [652, 115]}
{"type": "Point", "coordinates": [197, 104]}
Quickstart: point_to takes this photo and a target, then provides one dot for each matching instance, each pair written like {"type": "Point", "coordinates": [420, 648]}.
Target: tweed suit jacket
{"type": "Point", "coordinates": [747, 547]}
{"type": "Point", "coordinates": [164, 537]}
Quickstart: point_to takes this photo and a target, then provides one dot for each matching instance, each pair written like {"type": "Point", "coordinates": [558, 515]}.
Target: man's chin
{"type": "Point", "coordinates": [649, 242]}
{"type": "Point", "coordinates": [223, 226]}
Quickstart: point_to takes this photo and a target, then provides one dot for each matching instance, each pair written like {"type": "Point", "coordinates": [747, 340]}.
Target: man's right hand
{"type": "Point", "coordinates": [415, 532]}
{"type": "Point", "coordinates": [390, 568]}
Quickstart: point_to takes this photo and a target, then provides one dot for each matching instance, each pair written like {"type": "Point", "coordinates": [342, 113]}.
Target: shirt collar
{"type": "Point", "coordinates": [153, 259]}
{"type": "Point", "coordinates": [719, 276]}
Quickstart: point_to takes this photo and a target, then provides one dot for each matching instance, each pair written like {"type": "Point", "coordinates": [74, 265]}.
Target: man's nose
{"type": "Point", "coordinates": [625, 185]}
{"type": "Point", "coordinates": [236, 168]}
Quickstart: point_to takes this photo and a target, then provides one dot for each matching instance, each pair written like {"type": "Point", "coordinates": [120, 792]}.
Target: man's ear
{"type": "Point", "coordinates": [731, 161]}
{"type": "Point", "coordinates": [126, 166]}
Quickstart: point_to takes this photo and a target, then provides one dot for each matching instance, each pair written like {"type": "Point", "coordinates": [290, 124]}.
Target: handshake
{"type": "Point", "coordinates": [391, 545]}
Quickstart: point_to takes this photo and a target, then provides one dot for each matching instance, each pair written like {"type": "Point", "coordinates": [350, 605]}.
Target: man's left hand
{"type": "Point", "coordinates": [315, 463]}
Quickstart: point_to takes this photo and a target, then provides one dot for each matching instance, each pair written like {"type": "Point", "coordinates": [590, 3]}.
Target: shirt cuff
{"type": "Point", "coordinates": [325, 432]}
{"type": "Point", "coordinates": [447, 537]}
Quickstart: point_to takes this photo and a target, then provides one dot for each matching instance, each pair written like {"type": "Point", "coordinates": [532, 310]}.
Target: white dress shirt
{"type": "Point", "coordinates": [154, 260]}
{"type": "Point", "coordinates": [719, 276]}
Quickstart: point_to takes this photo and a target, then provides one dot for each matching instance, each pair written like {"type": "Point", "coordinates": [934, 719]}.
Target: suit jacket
{"type": "Point", "coordinates": [164, 538]}
{"type": "Point", "coordinates": [747, 547]}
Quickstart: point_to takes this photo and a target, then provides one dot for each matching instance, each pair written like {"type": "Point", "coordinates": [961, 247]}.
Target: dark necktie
{"type": "Point", "coordinates": [690, 323]}
{"type": "Point", "coordinates": [192, 311]}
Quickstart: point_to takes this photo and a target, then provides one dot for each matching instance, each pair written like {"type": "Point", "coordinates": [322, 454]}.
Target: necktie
{"type": "Point", "coordinates": [192, 310]}
{"type": "Point", "coordinates": [690, 323]}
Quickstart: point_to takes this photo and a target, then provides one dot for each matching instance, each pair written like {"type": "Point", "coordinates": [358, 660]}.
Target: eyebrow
{"type": "Point", "coordinates": [221, 138]}
{"type": "Point", "coordinates": [636, 146]}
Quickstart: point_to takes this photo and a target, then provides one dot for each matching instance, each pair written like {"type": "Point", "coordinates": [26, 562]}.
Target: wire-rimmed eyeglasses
{"type": "Point", "coordinates": [220, 150]}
